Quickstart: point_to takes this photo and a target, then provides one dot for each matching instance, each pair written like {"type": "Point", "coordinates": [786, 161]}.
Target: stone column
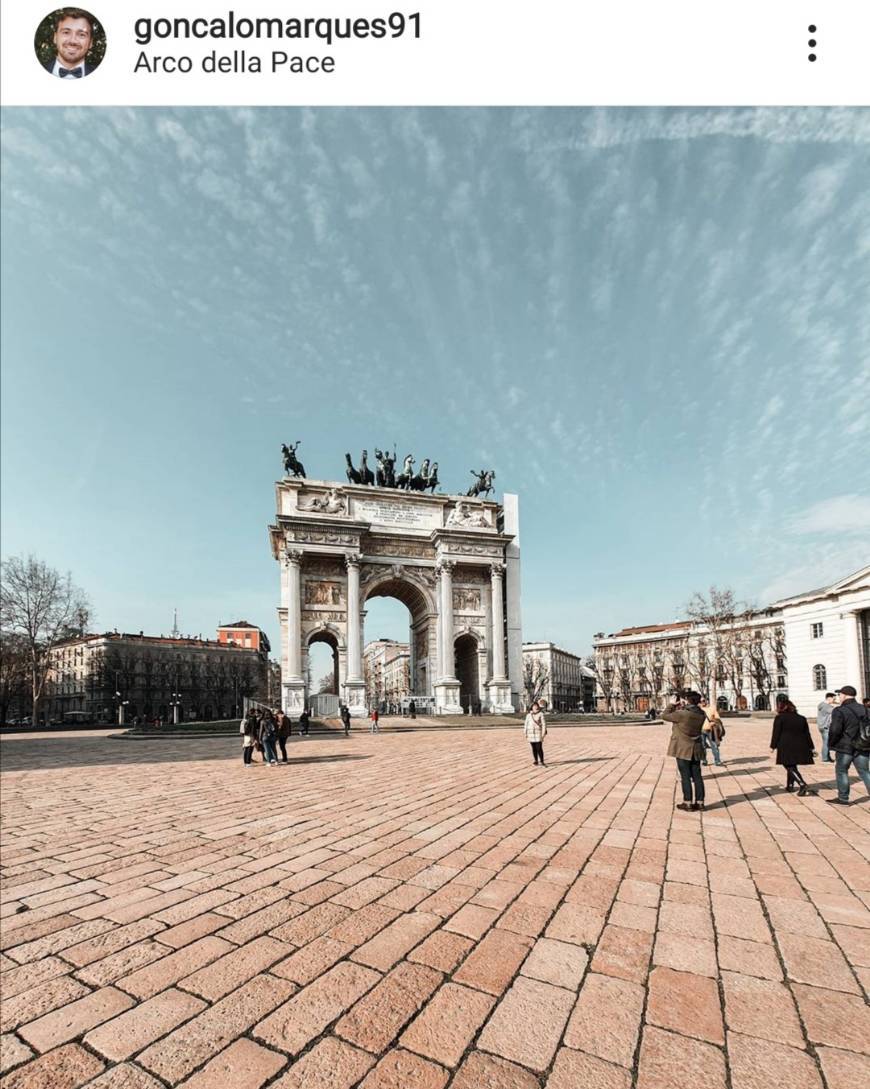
{"type": "Point", "coordinates": [448, 663]}
{"type": "Point", "coordinates": [499, 685]}
{"type": "Point", "coordinates": [294, 614]}
{"type": "Point", "coordinates": [354, 685]}
{"type": "Point", "coordinates": [498, 657]}
{"type": "Point", "coordinates": [439, 637]}
{"type": "Point", "coordinates": [293, 682]}
{"type": "Point", "coordinates": [354, 620]}
{"type": "Point", "coordinates": [447, 687]}
{"type": "Point", "coordinates": [852, 653]}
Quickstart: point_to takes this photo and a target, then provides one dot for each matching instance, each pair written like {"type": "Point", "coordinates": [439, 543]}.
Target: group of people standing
{"type": "Point", "coordinates": [844, 728]}
{"type": "Point", "coordinates": [265, 730]}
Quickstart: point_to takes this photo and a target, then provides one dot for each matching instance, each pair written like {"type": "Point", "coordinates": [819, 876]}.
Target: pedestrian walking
{"type": "Point", "coordinates": [849, 738]}
{"type": "Point", "coordinates": [344, 714]}
{"type": "Point", "coordinates": [712, 732]}
{"type": "Point", "coordinates": [267, 738]}
{"type": "Point", "coordinates": [535, 729]}
{"type": "Point", "coordinates": [823, 723]}
{"type": "Point", "coordinates": [248, 728]}
{"type": "Point", "coordinates": [304, 719]}
{"type": "Point", "coordinates": [687, 723]}
{"type": "Point", "coordinates": [793, 744]}
{"type": "Point", "coordinates": [374, 727]}
{"type": "Point", "coordinates": [412, 709]}
{"type": "Point", "coordinates": [282, 732]}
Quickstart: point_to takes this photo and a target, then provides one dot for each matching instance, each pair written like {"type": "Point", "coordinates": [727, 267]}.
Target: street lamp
{"type": "Point", "coordinates": [176, 701]}
{"type": "Point", "coordinates": [122, 703]}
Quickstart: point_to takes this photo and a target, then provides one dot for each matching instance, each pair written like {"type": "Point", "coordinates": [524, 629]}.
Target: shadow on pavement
{"type": "Point", "coordinates": [49, 753]}
{"type": "Point", "coordinates": [581, 760]}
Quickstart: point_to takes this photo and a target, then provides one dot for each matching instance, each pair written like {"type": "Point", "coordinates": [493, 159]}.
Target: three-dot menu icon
{"type": "Point", "coordinates": [812, 43]}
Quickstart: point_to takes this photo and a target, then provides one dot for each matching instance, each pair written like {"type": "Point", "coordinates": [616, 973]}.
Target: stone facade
{"type": "Point", "coordinates": [827, 634]}
{"type": "Point", "coordinates": [743, 665]}
{"type": "Point", "coordinates": [801, 646]}
{"type": "Point", "coordinates": [387, 671]}
{"type": "Point", "coordinates": [557, 676]}
{"type": "Point", "coordinates": [453, 561]}
{"type": "Point", "coordinates": [118, 677]}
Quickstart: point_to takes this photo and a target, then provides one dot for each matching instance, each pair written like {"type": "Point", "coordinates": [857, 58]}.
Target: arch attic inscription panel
{"type": "Point", "coordinates": [453, 560]}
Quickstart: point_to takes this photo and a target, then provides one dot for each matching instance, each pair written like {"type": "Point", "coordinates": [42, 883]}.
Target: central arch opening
{"type": "Point", "coordinates": [467, 672]}
{"type": "Point", "coordinates": [396, 647]}
{"type": "Point", "coordinates": [323, 664]}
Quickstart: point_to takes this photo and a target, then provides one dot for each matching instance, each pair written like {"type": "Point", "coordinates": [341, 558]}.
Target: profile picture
{"type": "Point", "coordinates": [70, 43]}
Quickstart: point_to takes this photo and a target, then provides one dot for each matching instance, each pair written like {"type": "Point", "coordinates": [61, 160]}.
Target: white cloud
{"type": "Point", "coordinates": [837, 515]}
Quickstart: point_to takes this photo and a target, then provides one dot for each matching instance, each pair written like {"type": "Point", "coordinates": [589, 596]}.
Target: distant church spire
{"type": "Point", "coordinates": [175, 632]}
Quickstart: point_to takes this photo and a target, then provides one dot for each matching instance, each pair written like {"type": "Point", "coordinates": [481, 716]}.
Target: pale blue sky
{"type": "Point", "coordinates": [654, 325]}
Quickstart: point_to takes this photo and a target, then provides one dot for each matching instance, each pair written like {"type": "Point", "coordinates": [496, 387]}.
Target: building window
{"type": "Point", "coordinates": [820, 678]}
{"type": "Point", "coordinates": [781, 681]}
{"type": "Point", "coordinates": [818, 630]}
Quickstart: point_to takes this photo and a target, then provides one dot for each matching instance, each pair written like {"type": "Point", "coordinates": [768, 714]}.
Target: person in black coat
{"type": "Point", "coordinates": [793, 744]}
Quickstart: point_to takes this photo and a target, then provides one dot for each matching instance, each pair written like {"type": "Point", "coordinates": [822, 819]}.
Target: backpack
{"type": "Point", "coordinates": [861, 740]}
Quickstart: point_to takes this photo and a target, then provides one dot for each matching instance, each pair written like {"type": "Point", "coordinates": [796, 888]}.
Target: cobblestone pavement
{"type": "Point", "coordinates": [423, 910]}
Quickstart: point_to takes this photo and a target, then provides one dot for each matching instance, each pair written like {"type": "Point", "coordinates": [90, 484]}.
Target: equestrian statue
{"type": "Point", "coordinates": [292, 464]}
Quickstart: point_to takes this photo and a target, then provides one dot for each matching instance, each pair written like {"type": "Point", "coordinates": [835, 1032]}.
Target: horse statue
{"type": "Point", "coordinates": [365, 474]}
{"type": "Point", "coordinates": [381, 471]}
{"type": "Point", "coordinates": [433, 480]}
{"type": "Point", "coordinates": [420, 481]}
{"type": "Point", "coordinates": [353, 476]}
{"type": "Point", "coordinates": [483, 484]}
{"type": "Point", "coordinates": [292, 464]}
{"type": "Point", "coordinates": [403, 480]}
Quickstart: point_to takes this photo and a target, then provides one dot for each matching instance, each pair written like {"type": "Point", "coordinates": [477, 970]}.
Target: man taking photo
{"type": "Point", "coordinates": [849, 738]}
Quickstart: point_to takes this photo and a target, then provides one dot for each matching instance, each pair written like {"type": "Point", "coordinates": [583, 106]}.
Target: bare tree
{"type": "Point", "coordinates": [626, 674]}
{"type": "Point", "coordinates": [675, 668]}
{"type": "Point", "coordinates": [41, 606]}
{"type": "Point", "coordinates": [724, 618]}
{"type": "Point", "coordinates": [536, 676]}
{"type": "Point", "coordinates": [14, 676]}
{"type": "Point", "coordinates": [699, 666]}
{"type": "Point", "coordinates": [604, 678]}
{"type": "Point", "coordinates": [326, 684]}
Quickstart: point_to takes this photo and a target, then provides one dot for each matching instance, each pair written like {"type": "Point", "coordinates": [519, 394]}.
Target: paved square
{"type": "Point", "coordinates": [416, 910]}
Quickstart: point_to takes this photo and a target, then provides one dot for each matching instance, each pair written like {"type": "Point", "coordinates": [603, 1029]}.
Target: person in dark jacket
{"type": "Point", "coordinates": [248, 728]}
{"type": "Point", "coordinates": [282, 732]}
{"type": "Point", "coordinates": [267, 738]}
{"type": "Point", "coordinates": [793, 744]}
{"type": "Point", "coordinates": [687, 721]}
{"type": "Point", "coordinates": [344, 714]}
{"type": "Point", "coordinates": [844, 739]}
{"type": "Point", "coordinates": [304, 719]}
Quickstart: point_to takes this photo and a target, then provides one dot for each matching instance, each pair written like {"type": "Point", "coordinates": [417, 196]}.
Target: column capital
{"type": "Point", "coordinates": [497, 570]}
{"type": "Point", "coordinates": [352, 559]}
{"type": "Point", "coordinates": [293, 556]}
{"type": "Point", "coordinates": [445, 567]}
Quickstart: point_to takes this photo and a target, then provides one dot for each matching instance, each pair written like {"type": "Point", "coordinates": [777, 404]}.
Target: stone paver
{"type": "Point", "coordinates": [432, 913]}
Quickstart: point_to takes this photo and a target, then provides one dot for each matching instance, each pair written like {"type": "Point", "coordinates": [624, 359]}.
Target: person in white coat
{"type": "Point", "coordinates": [535, 729]}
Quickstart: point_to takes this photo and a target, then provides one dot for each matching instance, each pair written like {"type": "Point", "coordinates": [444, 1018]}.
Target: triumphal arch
{"type": "Point", "coordinates": [453, 560]}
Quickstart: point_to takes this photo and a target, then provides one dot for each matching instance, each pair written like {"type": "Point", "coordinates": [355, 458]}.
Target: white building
{"type": "Point", "coordinates": [557, 676]}
{"type": "Point", "coordinates": [801, 646]}
{"type": "Point", "coordinates": [827, 635]}
{"type": "Point", "coordinates": [387, 671]}
{"type": "Point", "coordinates": [741, 664]}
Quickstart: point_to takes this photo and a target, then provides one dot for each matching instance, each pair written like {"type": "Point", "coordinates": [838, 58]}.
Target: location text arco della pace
{"type": "Point", "coordinates": [231, 27]}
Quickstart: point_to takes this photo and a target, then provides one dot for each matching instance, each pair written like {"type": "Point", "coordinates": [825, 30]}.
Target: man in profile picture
{"type": "Point", "coordinates": [73, 34]}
